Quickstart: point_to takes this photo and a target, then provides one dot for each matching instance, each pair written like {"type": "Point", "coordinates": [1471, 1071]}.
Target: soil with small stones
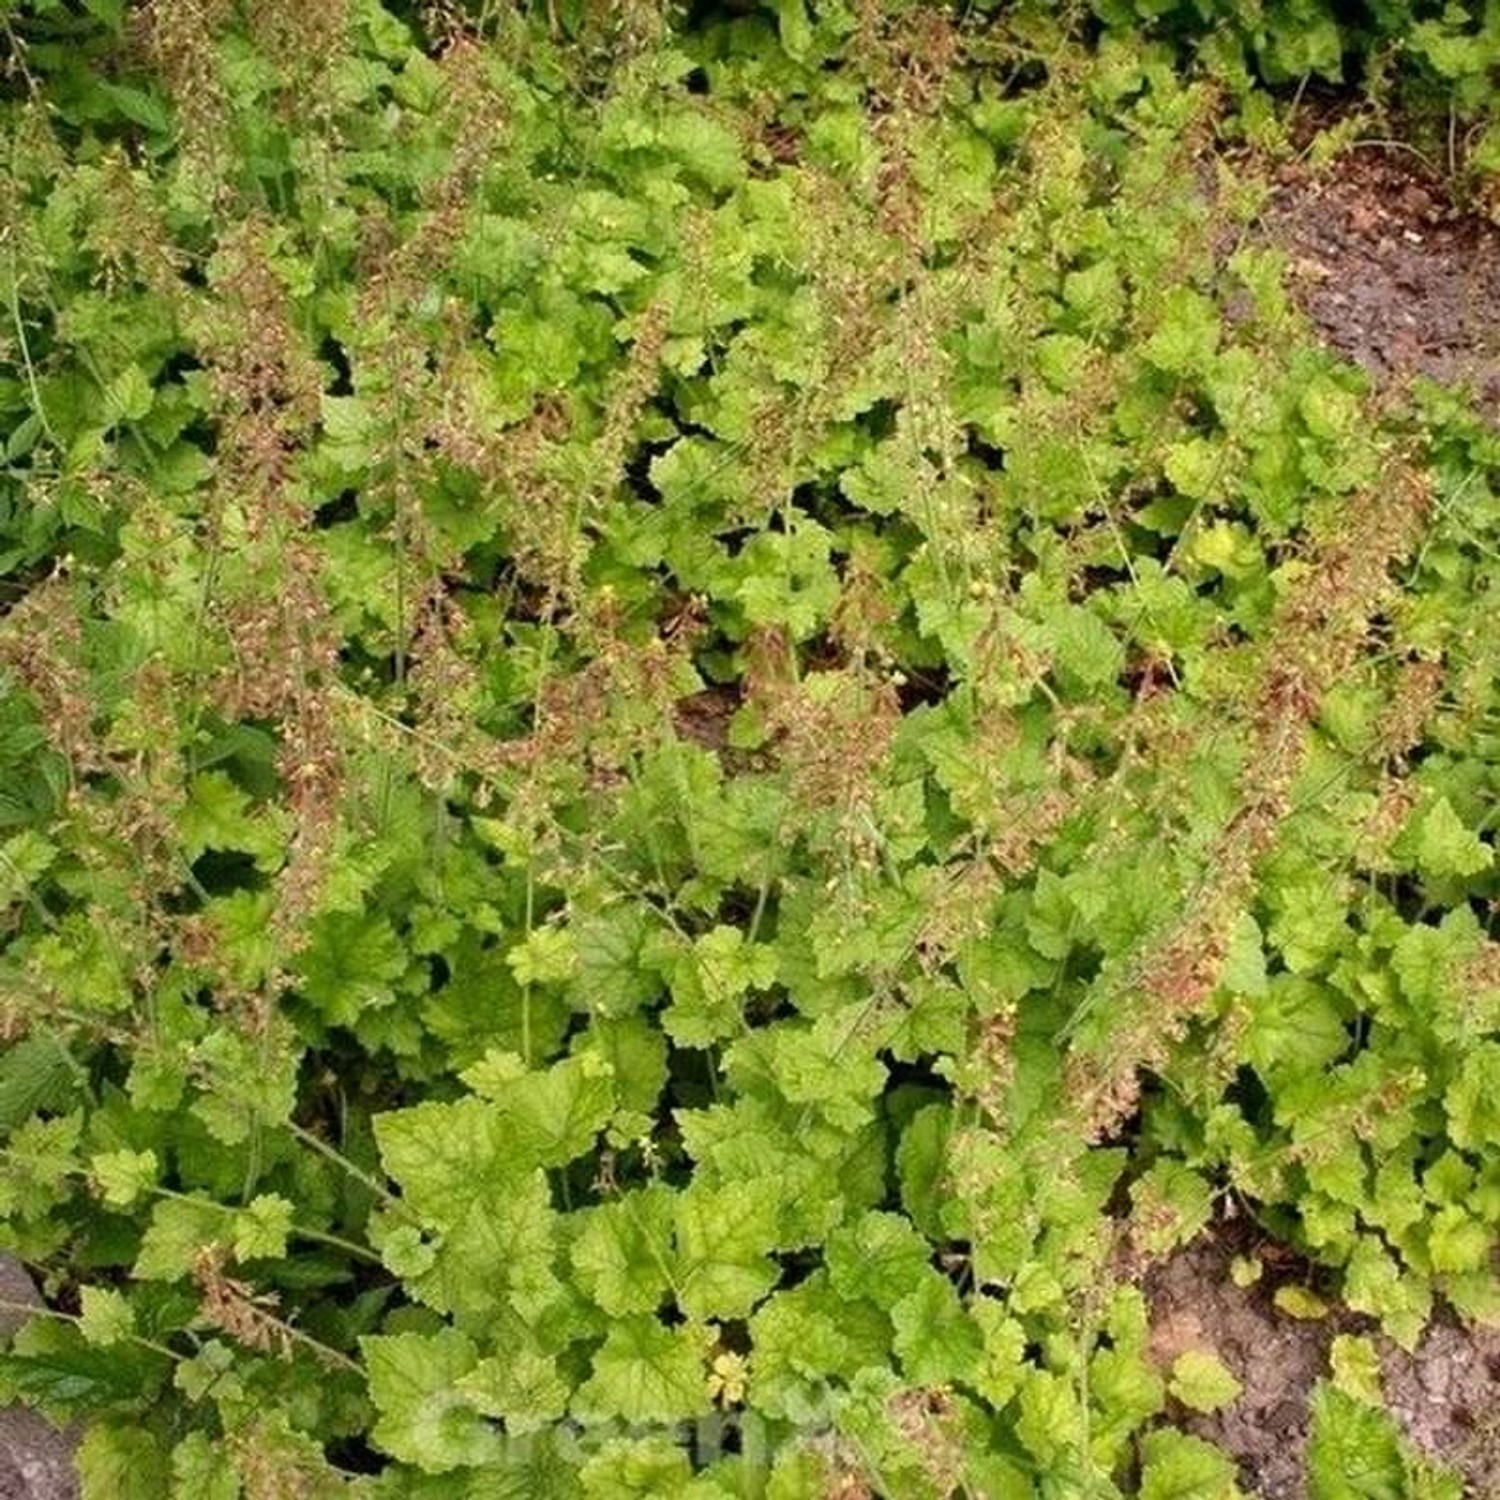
{"type": "Point", "coordinates": [1445, 1394]}
{"type": "Point", "coordinates": [36, 1458]}
{"type": "Point", "coordinates": [1447, 1397]}
{"type": "Point", "coordinates": [1392, 273]}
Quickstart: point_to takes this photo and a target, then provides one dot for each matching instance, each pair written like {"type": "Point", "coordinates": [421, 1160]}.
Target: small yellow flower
{"type": "Point", "coordinates": [726, 1381]}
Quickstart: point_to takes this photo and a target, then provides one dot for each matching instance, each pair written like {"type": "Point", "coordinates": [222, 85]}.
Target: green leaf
{"type": "Point", "coordinates": [709, 150]}
{"type": "Point", "coordinates": [788, 579]}
{"type": "Point", "coordinates": [1051, 1419]}
{"type": "Point", "coordinates": [120, 1462]}
{"type": "Point", "coordinates": [1087, 652]}
{"type": "Point", "coordinates": [1244, 971]}
{"type": "Point", "coordinates": [1443, 846]}
{"type": "Point", "coordinates": [424, 1418]}
{"type": "Point", "coordinates": [123, 1175]}
{"type": "Point", "coordinates": [498, 1249]}
{"type": "Point", "coordinates": [922, 1162]}
{"type": "Point", "coordinates": [795, 29]}
{"type": "Point", "coordinates": [128, 397]}
{"type": "Point", "coordinates": [622, 1255]}
{"type": "Point", "coordinates": [1125, 1386]}
{"type": "Point", "coordinates": [723, 1241]}
{"type": "Point", "coordinates": [830, 1067]}
{"type": "Point", "coordinates": [1353, 1450]}
{"type": "Point", "coordinates": [1310, 924]}
{"type": "Point", "coordinates": [523, 1387]}
{"type": "Point", "coordinates": [201, 1470]}
{"type": "Point", "coordinates": [443, 1155]}
{"type": "Point", "coordinates": [647, 1372]}
{"type": "Point", "coordinates": [1397, 1199]}
{"type": "Point", "coordinates": [406, 1254]}
{"type": "Point", "coordinates": [1185, 340]}
{"type": "Point", "coordinates": [609, 978]}
{"type": "Point", "coordinates": [1298, 1302]}
{"type": "Point", "coordinates": [180, 1229]}
{"type": "Point", "coordinates": [937, 1341]}
{"type": "Point", "coordinates": [802, 1339]}
{"type": "Point", "coordinates": [104, 1316]}
{"type": "Point", "coordinates": [549, 1117]}
{"type": "Point", "coordinates": [880, 1258]}
{"type": "Point", "coordinates": [248, 1083]}
{"type": "Point", "coordinates": [1473, 1099]}
{"type": "Point", "coordinates": [53, 1368]}
{"type": "Point", "coordinates": [142, 106]}
{"type": "Point", "coordinates": [351, 965]}
{"type": "Point", "coordinates": [242, 921]}
{"type": "Point", "coordinates": [209, 1371]}
{"type": "Point", "coordinates": [350, 430]}
{"type": "Point", "coordinates": [1374, 1283]}
{"type": "Point", "coordinates": [217, 815]}
{"type": "Point", "coordinates": [1001, 1366]}
{"type": "Point", "coordinates": [639, 1469]}
{"type": "Point", "coordinates": [548, 955]}
{"type": "Point", "coordinates": [1329, 410]}
{"type": "Point", "coordinates": [1297, 1026]}
{"type": "Point", "coordinates": [709, 982]}
{"type": "Point", "coordinates": [636, 1053]}
{"type": "Point", "coordinates": [260, 1229]}
{"type": "Point", "coordinates": [1458, 1242]}
{"type": "Point", "coordinates": [1196, 468]}
{"type": "Point", "coordinates": [1201, 1380]}
{"type": "Point", "coordinates": [1170, 1204]}
{"type": "Point", "coordinates": [35, 1074]}
{"type": "Point", "coordinates": [773, 1154]}
{"type": "Point", "coordinates": [1355, 1366]}
{"type": "Point", "coordinates": [1178, 1467]}
{"type": "Point", "coordinates": [1449, 1180]}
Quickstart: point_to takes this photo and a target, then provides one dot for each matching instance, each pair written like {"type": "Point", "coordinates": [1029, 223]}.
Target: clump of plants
{"type": "Point", "coordinates": [703, 717]}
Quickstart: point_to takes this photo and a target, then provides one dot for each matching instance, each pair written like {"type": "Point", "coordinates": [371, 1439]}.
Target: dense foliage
{"type": "Point", "coordinates": [703, 718]}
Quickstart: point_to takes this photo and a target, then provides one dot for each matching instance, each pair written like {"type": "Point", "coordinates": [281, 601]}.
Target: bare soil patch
{"type": "Point", "coordinates": [1446, 1394]}
{"type": "Point", "coordinates": [1196, 1305]}
{"type": "Point", "coordinates": [1447, 1397]}
{"type": "Point", "coordinates": [1394, 274]}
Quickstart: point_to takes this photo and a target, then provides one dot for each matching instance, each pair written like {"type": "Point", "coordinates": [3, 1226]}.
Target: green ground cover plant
{"type": "Point", "coordinates": [703, 717]}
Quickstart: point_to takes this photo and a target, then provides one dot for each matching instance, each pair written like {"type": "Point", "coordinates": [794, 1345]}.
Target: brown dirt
{"type": "Point", "coordinates": [1446, 1394]}
{"type": "Point", "coordinates": [1447, 1397]}
{"type": "Point", "coordinates": [1195, 1305]}
{"type": "Point", "coordinates": [1391, 271]}
{"type": "Point", "coordinates": [704, 717]}
{"type": "Point", "coordinates": [36, 1459]}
